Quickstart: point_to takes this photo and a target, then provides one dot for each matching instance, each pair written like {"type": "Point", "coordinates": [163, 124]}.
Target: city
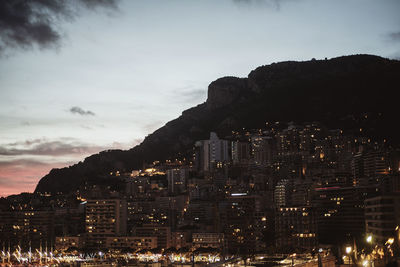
{"type": "Point", "coordinates": [294, 192]}
{"type": "Point", "coordinates": [194, 133]}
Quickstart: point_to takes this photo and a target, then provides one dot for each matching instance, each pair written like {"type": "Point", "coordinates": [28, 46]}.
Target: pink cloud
{"type": "Point", "coordinates": [22, 175]}
{"type": "Point", "coordinates": [22, 164]}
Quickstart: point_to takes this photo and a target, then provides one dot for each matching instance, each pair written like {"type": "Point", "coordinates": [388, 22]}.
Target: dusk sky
{"type": "Point", "coordinates": [118, 72]}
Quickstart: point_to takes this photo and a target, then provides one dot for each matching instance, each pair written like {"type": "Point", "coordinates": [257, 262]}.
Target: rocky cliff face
{"type": "Point", "coordinates": [316, 90]}
{"type": "Point", "coordinates": [225, 91]}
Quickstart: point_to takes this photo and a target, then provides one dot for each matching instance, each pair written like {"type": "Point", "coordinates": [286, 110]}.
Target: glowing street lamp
{"type": "Point", "coordinates": [348, 251]}
{"type": "Point", "coordinates": [369, 239]}
{"type": "Point", "coordinates": [390, 241]}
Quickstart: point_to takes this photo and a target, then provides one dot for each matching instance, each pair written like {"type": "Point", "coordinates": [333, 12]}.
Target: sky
{"type": "Point", "coordinates": [103, 74]}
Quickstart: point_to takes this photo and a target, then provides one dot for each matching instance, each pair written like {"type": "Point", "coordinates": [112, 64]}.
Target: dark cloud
{"type": "Point", "coordinates": [103, 3]}
{"type": "Point", "coordinates": [189, 93]}
{"type": "Point", "coordinates": [42, 147]}
{"type": "Point", "coordinates": [22, 163]}
{"type": "Point", "coordinates": [28, 23]}
{"type": "Point", "coordinates": [194, 95]}
{"type": "Point", "coordinates": [275, 4]}
{"type": "Point", "coordinates": [395, 36]}
{"type": "Point", "coordinates": [26, 143]}
{"type": "Point", "coordinates": [80, 111]}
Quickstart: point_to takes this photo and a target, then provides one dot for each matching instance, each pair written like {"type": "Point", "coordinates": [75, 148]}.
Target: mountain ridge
{"type": "Point", "coordinates": [315, 90]}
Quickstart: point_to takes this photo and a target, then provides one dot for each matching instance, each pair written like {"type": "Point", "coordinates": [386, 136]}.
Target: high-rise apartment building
{"type": "Point", "coordinates": [211, 154]}
{"type": "Point", "coordinates": [105, 218]}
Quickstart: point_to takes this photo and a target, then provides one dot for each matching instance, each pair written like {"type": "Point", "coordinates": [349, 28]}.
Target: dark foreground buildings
{"type": "Point", "coordinates": [282, 188]}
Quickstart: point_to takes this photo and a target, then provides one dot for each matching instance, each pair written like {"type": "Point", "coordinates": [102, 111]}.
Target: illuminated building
{"type": "Point", "coordinates": [131, 242]}
{"type": "Point", "coordinates": [296, 227]}
{"type": "Point", "coordinates": [30, 227]}
{"type": "Point", "coordinates": [370, 164]}
{"type": "Point", "coordinates": [68, 242]}
{"type": "Point", "coordinates": [382, 215]}
{"type": "Point", "coordinates": [262, 150]}
{"type": "Point", "coordinates": [301, 193]}
{"type": "Point", "coordinates": [282, 193]}
{"type": "Point", "coordinates": [105, 218]}
{"type": "Point", "coordinates": [211, 153]}
{"type": "Point", "coordinates": [163, 234]}
{"type": "Point", "coordinates": [240, 152]}
{"type": "Point", "coordinates": [340, 212]}
{"type": "Point", "coordinates": [243, 221]}
{"type": "Point", "coordinates": [177, 179]}
{"type": "Point", "coordinates": [213, 240]}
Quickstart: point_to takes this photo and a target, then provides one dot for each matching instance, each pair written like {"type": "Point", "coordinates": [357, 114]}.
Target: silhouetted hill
{"type": "Point", "coordinates": [328, 91]}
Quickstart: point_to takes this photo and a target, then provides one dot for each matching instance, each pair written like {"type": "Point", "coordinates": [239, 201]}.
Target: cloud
{"type": "Point", "coordinates": [22, 175]}
{"type": "Point", "coordinates": [59, 148]}
{"type": "Point", "coordinates": [394, 36]}
{"type": "Point", "coordinates": [96, 3]}
{"type": "Point", "coordinates": [23, 163]}
{"type": "Point", "coordinates": [42, 147]}
{"type": "Point", "coordinates": [80, 111]}
{"type": "Point", "coordinates": [25, 143]}
{"type": "Point", "coordinates": [189, 94]}
{"type": "Point", "coordinates": [34, 23]}
{"type": "Point", "coordinates": [194, 95]}
{"type": "Point", "coordinates": [275, 4]}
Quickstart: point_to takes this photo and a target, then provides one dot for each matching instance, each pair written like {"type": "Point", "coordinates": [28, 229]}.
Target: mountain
{"type": "Point", "coordinates": [331, 91]}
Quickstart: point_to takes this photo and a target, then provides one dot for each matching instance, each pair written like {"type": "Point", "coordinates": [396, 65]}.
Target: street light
{"type": "Point", "coordinates": [369, 239]}
{"type": "Point", "coordinates": [348, 251]}
{"type": "Point", "coordinates": [390, 241]}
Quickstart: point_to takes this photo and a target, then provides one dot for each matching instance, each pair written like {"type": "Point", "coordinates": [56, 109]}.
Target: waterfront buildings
{"type": "Point", "coordinates": [286, 188]}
